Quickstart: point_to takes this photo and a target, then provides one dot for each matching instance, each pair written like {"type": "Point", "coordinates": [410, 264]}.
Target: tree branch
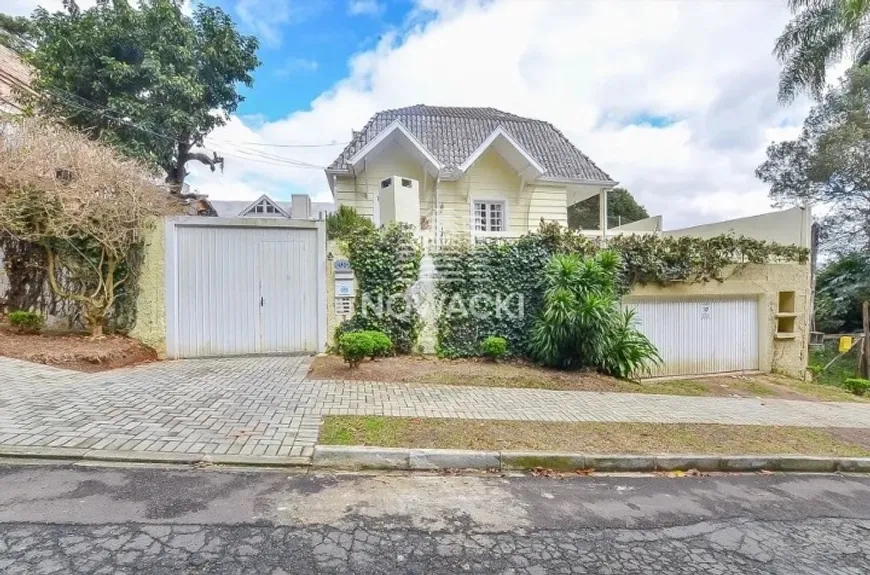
{"type": "Point", "coordinates": [203, 158]}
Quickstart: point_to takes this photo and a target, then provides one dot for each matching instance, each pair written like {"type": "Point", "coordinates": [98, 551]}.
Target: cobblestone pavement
{"type": "Point", "coordinates": [263, 406]}
{"type": "Point", "coordinates": [817, 547]}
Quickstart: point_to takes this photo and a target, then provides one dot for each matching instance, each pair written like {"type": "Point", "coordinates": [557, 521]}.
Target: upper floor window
{"type": "Point", "coordinates": [264, 207]}
{"type": "Point", "coordinates": [489, 216]}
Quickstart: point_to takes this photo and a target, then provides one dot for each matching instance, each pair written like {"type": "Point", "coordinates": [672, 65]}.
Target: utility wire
{"type": "Point", "coordinates": [83, 104]}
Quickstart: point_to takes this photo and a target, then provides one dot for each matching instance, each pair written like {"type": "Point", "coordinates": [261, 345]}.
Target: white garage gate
{"type": "Point", "coordinates": [701, 336]}
{"type": "Point", "coordinates": [244, 286]}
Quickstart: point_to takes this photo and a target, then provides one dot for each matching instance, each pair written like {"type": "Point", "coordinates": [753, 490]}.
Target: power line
{"type": "Point", "coordinates": [250, 155]}
{"type": "Point", "coordinates": [264, 144]}
{"type": "Point", "coordinates": [83, 104]}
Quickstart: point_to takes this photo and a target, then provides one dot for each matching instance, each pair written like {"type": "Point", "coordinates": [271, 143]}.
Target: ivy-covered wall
{"type": "Point", "coordinates": [386, 266]}
{"type": "Point", "coordinates": [652, 265]}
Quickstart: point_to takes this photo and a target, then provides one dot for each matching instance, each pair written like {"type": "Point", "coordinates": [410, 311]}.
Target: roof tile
{"type": "Point", "coordinates": [452, 134]}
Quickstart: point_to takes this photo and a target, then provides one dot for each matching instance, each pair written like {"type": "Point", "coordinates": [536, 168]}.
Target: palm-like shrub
{"type": "Point", "coordinates": [581, 324]}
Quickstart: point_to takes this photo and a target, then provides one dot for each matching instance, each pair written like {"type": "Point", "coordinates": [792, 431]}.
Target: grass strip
{"type": "Point", "coordinates": [627, 438]}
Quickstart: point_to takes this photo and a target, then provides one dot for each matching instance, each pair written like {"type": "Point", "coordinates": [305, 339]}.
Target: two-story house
{"type": "Point", "coordinates": [464, 171]}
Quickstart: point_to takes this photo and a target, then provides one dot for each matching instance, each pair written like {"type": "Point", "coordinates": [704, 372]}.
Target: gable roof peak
{"type": "Point", "coordinates": [452, 134]}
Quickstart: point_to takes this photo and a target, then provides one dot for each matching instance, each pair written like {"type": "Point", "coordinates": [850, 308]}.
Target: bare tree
{"type": "Point", "coordinates": [83, 203]}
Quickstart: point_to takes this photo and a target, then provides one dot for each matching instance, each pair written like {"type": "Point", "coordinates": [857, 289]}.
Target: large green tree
{"type": "Point", "coordinates": [15, 32]}
{"type": "Point", "coordinates": [841, 287]}
{"type": "Point", "coordinates": [828, 165]}
{"type": "Point", "coordinates": [622, 208]}
{"type": "Point", "coordinates": [148, 79]}
{"type": "Point", "coordinates": [819, 35]}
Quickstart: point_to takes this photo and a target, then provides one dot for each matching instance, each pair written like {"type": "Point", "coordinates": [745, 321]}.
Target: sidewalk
{"type": "Point", "coordinates": [263, 406]}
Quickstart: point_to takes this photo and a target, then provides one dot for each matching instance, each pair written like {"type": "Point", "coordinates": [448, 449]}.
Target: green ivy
{"type": "Point", "coordinates": [500, 269]}
{"type": "Point", "coordinates": [505, 268]}
{"type": "Point", "coordinates": [386, 263]}
{"type": "Point", "coordinates": [661, 260]}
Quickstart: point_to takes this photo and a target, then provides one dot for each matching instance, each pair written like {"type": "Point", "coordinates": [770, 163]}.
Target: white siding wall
{"type": "Point", "coordinates": [359, 191]}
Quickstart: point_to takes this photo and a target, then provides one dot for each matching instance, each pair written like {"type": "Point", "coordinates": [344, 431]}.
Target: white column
{"type": "Point", "coordinates": [602, 213]}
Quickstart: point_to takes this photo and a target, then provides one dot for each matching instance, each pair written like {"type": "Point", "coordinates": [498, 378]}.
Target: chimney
{"type": "Point", "coordinates": [300, 208]}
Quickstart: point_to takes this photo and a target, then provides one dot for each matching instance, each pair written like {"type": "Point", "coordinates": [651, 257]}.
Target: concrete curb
{"type": "Point", "coordinates": [359, 457]}
{"type": "Point", "coordinates": [108, 455]}
{"type": "Point", "coordinates": [406, 459]}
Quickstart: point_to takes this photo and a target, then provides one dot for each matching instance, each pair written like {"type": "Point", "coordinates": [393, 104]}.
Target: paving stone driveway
{"type": "Point", "coordinates": [265, 406]}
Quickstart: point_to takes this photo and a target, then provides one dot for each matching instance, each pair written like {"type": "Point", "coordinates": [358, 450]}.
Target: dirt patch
{"type": "Point", "coordinates": [76, 351]}
{"type": "Point", "coordinates": [433, 371]}
{"type": "Point", "coordinates": [772, 386]}
{"type": "Point", "coordinates": [852, 435]}
{"type": "Point", "coordinates": [628, 438]}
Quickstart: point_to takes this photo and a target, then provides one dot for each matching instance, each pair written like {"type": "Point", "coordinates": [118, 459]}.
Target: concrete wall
{"type": "Point", "coordinates": [787, 227]}
{"type": "Point", "coordinates": [651, 224]}
{"type": "Point", "coordinates": [788, 356]}
{"type": "Point", "coordinates": [765, 282]}
{"type": "Point", "coordinates": [150, 325]}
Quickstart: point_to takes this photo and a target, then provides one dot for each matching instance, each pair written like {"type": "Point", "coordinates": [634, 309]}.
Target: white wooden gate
{"type": "Point", "coordinates": [700, 336]}
{"type": "Point", "coordinates": [245, 286]}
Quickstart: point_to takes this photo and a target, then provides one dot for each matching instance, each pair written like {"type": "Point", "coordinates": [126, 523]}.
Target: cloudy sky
{"type": "Point", "coordinates": [676, 100]}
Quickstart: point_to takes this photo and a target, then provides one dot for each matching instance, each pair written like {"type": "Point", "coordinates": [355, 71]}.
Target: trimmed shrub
{"type": "Point", "coordinates": [382, 346]}
{"type": "Point", "coordinates": [857, 385]}
{"type": "Point", "coordinates": [355, 346]}
{"type": "Point", "coordinates": [26, 321]}
{"type": "Point", "coordinates": [494, 348]}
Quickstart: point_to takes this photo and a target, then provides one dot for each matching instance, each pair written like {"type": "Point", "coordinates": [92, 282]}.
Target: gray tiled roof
{"type": "Point", "coordinates": [233, 208]}
{"type": "Point", "coordinates": [453, 134]}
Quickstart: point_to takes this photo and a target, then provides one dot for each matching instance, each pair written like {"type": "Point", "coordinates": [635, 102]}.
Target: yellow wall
{"type": "Point", "coordinates": [490, 177]}
{"type": "Point", "coordinates": [150, 325]}
{"type": "Point", "coordinates": [787, 356]}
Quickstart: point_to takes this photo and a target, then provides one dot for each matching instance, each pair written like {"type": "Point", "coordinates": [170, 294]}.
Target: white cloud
{"type": "Point", "coordinates": [297, 66]}
{"type": "Point", "coordinates": [26, 7]}
{"type": "Point", "coordinates": [707, 65]}
{"type": "Point", "coordinates": [365, 7]}
{"type": "Point", "coordinates": [267, 18]}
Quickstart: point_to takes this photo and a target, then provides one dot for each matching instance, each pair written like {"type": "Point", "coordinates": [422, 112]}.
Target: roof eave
{"type": "Point", "coordinates": [330, 174]}
{"type": "Point", "coordinates": [578, 181]}
{"type": "Point", "coordinates": [532, 170]}
{"type": "Point", "coordinates": [395, 126]}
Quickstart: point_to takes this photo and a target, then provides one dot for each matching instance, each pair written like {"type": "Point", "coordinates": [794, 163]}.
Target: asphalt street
{"type": "Point", "coordinates": [61, 518]}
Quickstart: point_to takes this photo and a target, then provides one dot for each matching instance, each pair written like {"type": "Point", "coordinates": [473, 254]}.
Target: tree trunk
{"type": "Point", "coordinates": [95, 318]}
{"type": "Point", "coordinates": [177, 172]}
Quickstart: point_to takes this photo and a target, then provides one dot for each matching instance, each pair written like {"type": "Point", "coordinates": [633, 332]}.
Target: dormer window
{"type": "Point", "coordinates": [264, 207]}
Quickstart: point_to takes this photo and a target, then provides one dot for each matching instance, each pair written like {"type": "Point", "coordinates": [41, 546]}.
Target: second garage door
{"type": "Point", "coordinates": [701, 336]}
{"type": "Point", "coordinates": [245, 290]}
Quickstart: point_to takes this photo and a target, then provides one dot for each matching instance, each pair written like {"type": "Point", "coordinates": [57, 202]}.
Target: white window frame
{"type": "Point", "coordinates": [259, 209]}
{"type": "Point", "coordinates": [489, 202]}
